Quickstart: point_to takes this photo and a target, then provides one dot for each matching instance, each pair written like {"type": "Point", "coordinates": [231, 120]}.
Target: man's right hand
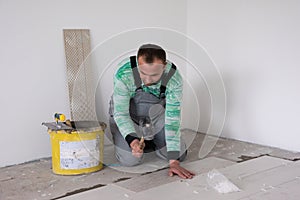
{"type": "Point", "coordinates": [136, 148]}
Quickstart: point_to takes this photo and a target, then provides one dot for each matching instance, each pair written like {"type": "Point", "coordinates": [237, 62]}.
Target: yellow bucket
{"type": "Point", "coordinates": [77, 151]}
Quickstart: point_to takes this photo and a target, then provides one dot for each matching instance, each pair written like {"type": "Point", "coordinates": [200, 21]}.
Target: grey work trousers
{"type": "Point", "coordinates": [158, 144]}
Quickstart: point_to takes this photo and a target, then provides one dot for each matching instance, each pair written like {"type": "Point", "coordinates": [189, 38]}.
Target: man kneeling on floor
{"type": "Point", "coordinates": [145, 110]}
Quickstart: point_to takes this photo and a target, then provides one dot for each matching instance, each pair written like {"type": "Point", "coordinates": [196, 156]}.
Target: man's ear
{"type": "Point", "coordinates": [165, 64]}
{"type": "Point", "coordinates": [139, 60]}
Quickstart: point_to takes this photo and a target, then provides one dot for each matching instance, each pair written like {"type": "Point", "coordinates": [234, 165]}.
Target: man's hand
{"type": "Point", "coordinates": [175, 168]}
{"type": "Point", "coordinates": [137, 148]}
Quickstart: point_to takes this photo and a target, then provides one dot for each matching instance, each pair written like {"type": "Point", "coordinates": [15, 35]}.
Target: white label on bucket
{"type": "Point", "coordinates": [79, 154]}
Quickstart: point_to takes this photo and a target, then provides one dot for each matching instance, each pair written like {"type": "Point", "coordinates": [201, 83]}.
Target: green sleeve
{"type": "Point", "coordinates": [121, 98]}
{"type": "Point", "coordinates": [173, 110]}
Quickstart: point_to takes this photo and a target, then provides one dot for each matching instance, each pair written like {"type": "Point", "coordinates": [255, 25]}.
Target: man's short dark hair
{"type": "Point", "coordinates": [151, 52]}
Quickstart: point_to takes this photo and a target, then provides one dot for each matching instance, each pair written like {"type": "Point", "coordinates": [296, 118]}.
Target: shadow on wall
{"type": "Point", "coordinates": [104, 91]}
{"type": "Point", "coordinates": [196, 106]}
{"type": "Point", "coordinates": [241, 112]}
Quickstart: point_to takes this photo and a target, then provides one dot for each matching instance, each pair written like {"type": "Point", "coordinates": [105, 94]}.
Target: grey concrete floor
{"type": "Point", "coordinates": [35, 180]}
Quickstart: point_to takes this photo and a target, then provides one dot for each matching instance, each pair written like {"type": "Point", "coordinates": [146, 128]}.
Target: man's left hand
{"type": "Point", "coordinates": [175, 168]}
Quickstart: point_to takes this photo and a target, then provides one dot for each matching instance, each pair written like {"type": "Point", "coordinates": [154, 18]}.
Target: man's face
{"type": "Point", "coordinates": [150, 73]}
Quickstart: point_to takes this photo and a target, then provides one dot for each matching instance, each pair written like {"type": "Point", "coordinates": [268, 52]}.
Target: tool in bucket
{"type": "Point", "coordinates": [59, 124]}
{"type": "Point", "coordinates": [59, 118]}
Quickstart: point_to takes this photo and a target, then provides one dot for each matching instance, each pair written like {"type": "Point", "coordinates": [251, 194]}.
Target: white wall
{"type": "Point", "coordinates": [33, 79]}
{"type": "Point", "coordinates": [256, 46]}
